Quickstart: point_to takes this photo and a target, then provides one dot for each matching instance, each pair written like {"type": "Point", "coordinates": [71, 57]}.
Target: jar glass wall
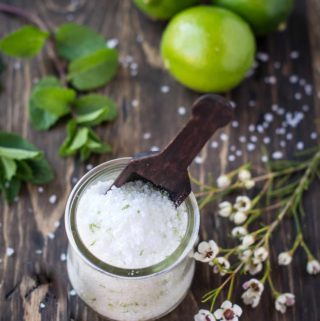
{"type": "Point", "coordinates": [128, 294]}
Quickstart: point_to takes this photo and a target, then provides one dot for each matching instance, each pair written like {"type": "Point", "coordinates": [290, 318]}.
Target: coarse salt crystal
{"type": "Point", "coordinates": [251, 147]}
{"type": "Point", "coordinates": [112, 43]}
{"type": "Point", "coordinates": [154, 149]}
{"type": "Point", "coordinates": [300, 145]}
{"type": "Point", "coordinates": [266, 140]}
{"type": "Point", "coordinates": [51, 236]}
{"type": "Point", "coordinates": [268, 117]}
{"type": "Point", "coordinates": [42, 305]}
{"type": "Point", "coordinates": [198, 160]}
{"type": "Point", "coordinates": [235, 124]}
{"type": "Point", "coordinates": [146, 135]}
{"type": "Point", "coordinates": [251, 128]}
{"type": "Point", "coordinates": [277, 155]}
{"type": "Point", "coordinates": [264, 158]}
{"type": "Point", "coordinates": [242, 139]}
{"type": "Point", "coordinates": [294, 54]}
{"type": "Point", "coordinates": [72, 292]}
{"type": "Point", "coordinates": [297, 96]}
{"type": "Point", "coordinates": [313, 135]}
{"type": "Point", "coordinates": [135, 103]}
{"type": "Point", "coordinates": [238, 152]}
{"type": "Point", "coordinates": [182, 111]}
{"type": "Point", "coordinates": [9, 251]}
{"type": "Point", "coordinates": [293, 79]}
{"type": "Point", "coordinates": [164, 89]}
{"type": "Point", "coordinates": [262, 56]}
{"type": "Point", "coordinates": [231, 158]}
{"type": "Point", "coordinates": [40, 189]}
{"type": "Point", "coordinates": [89, 167]}
{"type": "Point", "coordinates": [63, 257]}
{"type": "Point", "coordinates": [52, 199]}
{"type": "Point", "coordinates": [224, 137]}
{"type": "Point", "coordinates": [214, 144]}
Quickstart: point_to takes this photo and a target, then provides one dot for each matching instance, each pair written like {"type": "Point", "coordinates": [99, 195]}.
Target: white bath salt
{"type": "Point", "coordinates": [297, 96]}
{"type": "Point", "coordinates": [134, 66]}
{"type": "Point", "coordinates": [51, 236]}
{"type": "Point", "coordinates": [134, 226]}
{"type": "Point", "coordinates": [280, 131]}
{"type": "Point", "coordinates": [52, 199]}
{"type": "Point", "coordinates": [231, 158]}
{"type": "Point", "coordinates": [182, 111]}
{"type": "Point", "coordinates": [254, 138]}
{"type": "Point", "coordinates": [271, 80]}
{"type": "Point", "coordinates": [260, 129]}
{"type": "Point", "coordinates": [198, 160]}
{"type": "Point", "coordinates": [224, 137]}
{"type": "Point", "coordinates": [56, 224]}
{"type": "Point", "coordinates": [251, 128]}
{"type": "Point", "coordinates": [289, 136]}
{"type": "Point", "coordinates": [300, 145]}
{"type": "Point", "coordinates": [214, 144]}
{"type": "Point", "coordinates": [63, 257]}
{"type": "Point", "coordinates": [262, 56]}
{"type": "Point", "coordinates": [268, 117]}
{"type": "Point", "coordinates": [17, 65]}
{"type": "Point", "coordinates": [293, 79]}
{"type": "Point", "coordinates": [135, 103]}
{"type": "Point", "coordinates": [134, 72]}
{"type": "Point", "coordinates": [42, 305]}
{"type": "Point", "coordinates": [294, 54]}
{"type": "Point", "coordinates": [313, 135]}
{"type": "Point", "coordinates": [251, 147]}
{"type": "Point", "coordinates": [164, 89]}
{"type": "Point", "coordinates": [277, 155]}
{"type": "Point", "coordinates": [74, 180]}
{"type": "Point", "coordinates": [252, 103]}
{"type": "Point", "coordinates": [305, 108]}
{"type": "Point", "coordinates": [9, 251]}
{"type": "Point", "coordinates": [265, 125]}
{"type": "Point", "coordinates": [238, 153]}
{"type": "Point", "coordinates": [235, 124]}
{"type": "Point", "coordinates": [294, 119]}
{"type": "Point", "coordinates": [112, 43]}
{"type": "Point", "coordinates": [233, 148]}
{"type": "Point", "coordinates": [266, 140]}
{"type": "Point", "coordinates": [308, 90]}
{"type": "Point", "coordinates": [72, 292]}
{"type": "Point", "coordinates": [146, 135]}
{"type": "Point", "coordinates": [154, 149]}
{"type": "Point", "coordinates": [40, 189]}
{"type": "Point", "coordinates": [38, 251]}
{"type": "Point", "coordinates": [89, 167]}
{"type": "Point", "coordinates": [302, 82]}
{"type": "Point", "coordinates": [242, 139]}
{"type": "Point", "coordinates": [233, 104]}
{"type": "Point", "coordinates": [281, 111]}
{"type": "Point", "coordinates": [264, 158]}
{"type": "Point", "coordinates": [274, 107]}
{"type": "Point", "coordinates": [283, 143]}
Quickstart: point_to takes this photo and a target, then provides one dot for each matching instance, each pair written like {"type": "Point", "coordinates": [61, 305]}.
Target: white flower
{"type": "Point", "coordinates": [220, 265]}
{"type": "Point", "coordinates": [243, 203]}
{"type": "Point", "coordinates": [284, 258]}
{"type": "Point", "coordinates": [283, 301]}
{"type": "Point", "coordinates": [239, 218]}
{"type": "Point", "coordinates": [225, 209]}
{"type": "Point", "coordinates": [207, 251]}
{"type": "Point", "coordinates": [252, 295]}
{"type": "Point", "coordinates": [260, 254]}
{"type": "Point", "coordinates": [313, 267]}
{"type": "Point", "coordinates": [245, 255]}
{"type": "Point", "coordinates": [204, 315]}
{"type": "Point", "coordinates": [253, 267]}
{"type": "Point", "coordinates": [228, 312]}
{"type": "Point", "coordinates": [244, 175]}
{"type": "Point", "coordinates": [248, 240]}
{"type": "Point", "coordinates": [223, 181]}
{"type": "Point", "coordinates": [239, 232]}
{"type": "Point", "coordinates": [249, 184]}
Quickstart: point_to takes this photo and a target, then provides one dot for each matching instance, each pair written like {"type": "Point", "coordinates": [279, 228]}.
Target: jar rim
{"type": "Point", "coordinates": [184, 248]}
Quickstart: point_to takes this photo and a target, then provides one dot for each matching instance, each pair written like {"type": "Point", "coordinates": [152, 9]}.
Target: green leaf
{"type": "Point", "coordinates": [82, 140]}
{"type": "Point", "coordinates": [41, 119]}
{"type": "Point", "coordinates": [75, 41]}
{"type": "Point", "coordinates": [42, 172]}
{"type": "Point", "coordinates": [10, 189]}
{"type": "Point", "coordinates": [15, 147]}
{"type": "Point", "coordinates": [94, 70]}
{"type": "Point", "coordinates": [10, 167]}
{"type": "Point", "coordinates": [24, 171]}
{"type": "Point", "coordinates": [25, 42]}
{"type": "Point", "coordinates": [94, 109]}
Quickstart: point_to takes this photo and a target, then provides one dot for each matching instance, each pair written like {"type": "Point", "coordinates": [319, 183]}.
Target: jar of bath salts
{"type": "Point", "coordinates": [129, 251]}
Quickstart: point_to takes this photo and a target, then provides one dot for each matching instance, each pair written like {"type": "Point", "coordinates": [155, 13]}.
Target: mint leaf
{"type": "Point", "coordinates": [15, 147]}
{"type": "Point", "coordinates": [94, 109]}
{"type": "Point", "coordinates": [25, 42]}
{"type": "Point", "coordinates": [42, 172]}
{"type": "Point", "coordinates": [10, 189]}
{"type": "Point", "coordinates": [94, 70]}
{"type": "Point", "coordinates": [41, 119]}
{"type": "Point", "coordinates": [43, 109]}
{"type": "Point", "coordinates": [55, 100]}
{"type": "Point", "coordinates": [10, 167]}
{"type": "Point", "coordinates": [75, 41]}
{"type": "Point", "coordinates": [82, 140]}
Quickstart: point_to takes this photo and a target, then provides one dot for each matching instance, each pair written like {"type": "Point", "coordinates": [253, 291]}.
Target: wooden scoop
{"type": "Point", "coordinates": [168, 170]}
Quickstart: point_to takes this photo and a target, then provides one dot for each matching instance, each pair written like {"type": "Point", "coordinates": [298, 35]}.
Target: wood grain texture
{"type": "Point", "coordinates": [36, 273]}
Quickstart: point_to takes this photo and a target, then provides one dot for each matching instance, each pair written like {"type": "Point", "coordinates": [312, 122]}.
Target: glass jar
{"type": "Point", "coordinates": [128, 294]}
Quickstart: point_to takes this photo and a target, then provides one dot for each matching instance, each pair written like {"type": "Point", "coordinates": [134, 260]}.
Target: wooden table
{"type": "Point", "coordinates": [37, 270]}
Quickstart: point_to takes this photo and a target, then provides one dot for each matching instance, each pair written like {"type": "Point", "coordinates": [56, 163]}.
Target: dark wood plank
{"type": "Point", "coordinates": [36, 273]}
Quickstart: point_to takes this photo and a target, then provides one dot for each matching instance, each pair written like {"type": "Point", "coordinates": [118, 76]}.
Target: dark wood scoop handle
{"type": "Point", "coordinates": [168, 169]}
{"type": "Point", "coordinates": [209, 113]}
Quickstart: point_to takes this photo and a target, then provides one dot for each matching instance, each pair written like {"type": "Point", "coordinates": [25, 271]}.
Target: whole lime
{"type": "Point", "coordinates": [208, 49]}
{"type": "Point", "coordinates": [163, 9]}
{"type": "Point", "coordinates": [263, 15]}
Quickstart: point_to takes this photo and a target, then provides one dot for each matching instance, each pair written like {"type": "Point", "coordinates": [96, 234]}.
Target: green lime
{"type": "Point", "coordinates": [163, 9]}
{"type": "Point", "coordinates": [208, 49]}
{"type": "Point", "coordinates": [263, 15]}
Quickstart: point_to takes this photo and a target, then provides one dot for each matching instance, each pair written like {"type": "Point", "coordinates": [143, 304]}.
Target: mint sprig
{"type": "Point", "coordinates": [20, 162]}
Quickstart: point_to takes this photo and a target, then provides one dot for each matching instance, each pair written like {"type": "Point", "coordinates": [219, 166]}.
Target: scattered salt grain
{"type": "Point", "coordinates": [112, 43]}
{"type": "Point", "coordinates": [274, 107]}
{"type": "Point", "coordinates": [72, 292]}
{"type": "Point", "coordinates": [235, 124]}
{"type": "Point", "coordinates": [52, 199]}
{"type": "Point", "coordinates": [198, 160]}
{"type": "Point", "coordinates": [289, 136]}
{"type": "Point", "coordinates": [164, 89]}
{"type": "Point", "coordinates": [74, 180]}
{"type": "Point", "coordinates": [280, 131]}
{"type": "Point", "coordinates": [56, 224]}
{"type": "Point", "coordinates": [293, 79]}
{"type": "Point", "coordinates": [302, 82]}
{"type": "Point", "coordinates": [260, 129]}
{"type": "Point", "coordinates": [300, 145]}
{"type": "Point", "coordinates": [294, 54]}
{"type": "Point", "coordinates": [182, 111]}
{"type": "Point", "coordinates": [238, 152]}
{"type": "Point", "coordinates": [305, 108]}
{"type": "Point", "coordinates": [277, 155]}
{"type": "Point", "coordinates": [293, 119]}
{"type": "Point", "coordinates": [264, 158]}
{"type": "Point", "coordinates": [38, 251]}
{"type": "Point", "coordinates": [51, 236]}
{"type": "Point", "coordinates": [308, 90]}
{"type": "Point", "coordinates": [231, 158]}
{"type": "Point", "coordinates": [139, 38]}
{"type": "Point", "coordinates": [254, 139]}
{"type": "Point", "coordinates": [146, 135]}
{"type": "Point", "coordinates": [135, 103]}
{"type": "Point", "coordinates": [89, 167]}
{"type": "Point", "coordinates": [224, 137]}
{"type": "Point", "coordinates": [214, 144]}
{"type": "Point", "coordinates": [251, 128]}
{"type": "Point", "coordinates": [297, 96]}
{"type": "Point", "coordinates": [233, 104]}
{"type": "Point", "coordinates": [42, 305]}
{"type": "Point", "coordinates": [268, 117]}
{"type": "Point", "coordinates": [283, 143]}
{"type": "Point", "coordinates": [233, 148]}
{"type": "Point", "coordinates": [9, 251]}
{"type": "Point", "coordinates": [40, 189]}
{"type": "Point", "coordinates": [252, 103]}
{"type": "Point", "coordinates": [154, 149]}
{"type": "Point", "coordinates": [63, 257]}
{"type": "Point", "coordinates": [262, 56]}
{"type": "Point", "coordinates": [271, 80]}
{"type": "Point", "coordinates": [266, 140]}
{"type": "Point", "coordinates": [242, 139]}
{"type": "Point", "coordinates": [17, 65]}
{"type": "Point", "coordinates": [251, 147]}
{"type": "Point", "coordinates": [313, 135]}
